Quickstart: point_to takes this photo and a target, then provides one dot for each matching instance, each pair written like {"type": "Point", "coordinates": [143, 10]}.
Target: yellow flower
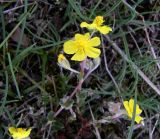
{"type": "Point", "coordinates": [97, 25]}
{"type": "Point", "coordinates": [82, 46]}
{"type": "Point", "coordinates": [129, 106]}
{"type": "Point", "coordinates": [19, 133]}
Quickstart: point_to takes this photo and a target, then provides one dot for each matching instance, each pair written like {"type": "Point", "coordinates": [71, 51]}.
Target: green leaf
{"type": "Point", "coordinates": [66, 103]}
{"type": "Point", "coordinates": [81, 97]}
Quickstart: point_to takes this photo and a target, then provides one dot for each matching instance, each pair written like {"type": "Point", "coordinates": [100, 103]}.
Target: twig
{"type": "Point", "coordinates": [151, 133]}
{"type": "Point", "coordinates": [15, 8]}
{"type": "Point", "coordinates": [49, 131]}
{"type": "Point", "coordinates": [96, 129]}
{"type": "Point", "coordinates": [58, 112]}
{"type": "Point", "coordinates": [106, 66]}
{"type": "Point", "coordinates": [143, 76]}
{"type": "Point", "coordinates": [135, 42]}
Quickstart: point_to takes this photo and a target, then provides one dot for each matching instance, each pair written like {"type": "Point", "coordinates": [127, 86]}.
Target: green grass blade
{"type": "Point", "coordinates": [13, 76]}
{"type": "Point", "coordinates": [23, 27]}
{"type": "Point", "coordinates": [77, 10]}
{"type": "Point", "coordinates": [92, 12]}
{"type": "Point", "coordinates": [5, 94]}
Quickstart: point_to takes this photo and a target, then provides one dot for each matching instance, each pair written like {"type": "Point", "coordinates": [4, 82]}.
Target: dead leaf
{"type": "Point", "coordinates": [114, 107]}
{"type": "Point", "coordinates": [16, 37]}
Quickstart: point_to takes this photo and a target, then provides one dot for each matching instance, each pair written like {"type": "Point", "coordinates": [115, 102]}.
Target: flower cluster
{"type": "Point", "coordinates": [84, 49]}
{"type": "Point", "coordinates": [85, 45]}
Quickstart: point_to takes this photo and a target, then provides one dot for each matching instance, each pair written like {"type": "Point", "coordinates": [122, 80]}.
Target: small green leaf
{"type": "Point", "coordinates": [66, 103]}
{"type": "Point", "coordinates": [50, 116]}
{"type": "Point", "coordinates": [57, 125]}
{"type": "Point", "coordinates": [81, 97]}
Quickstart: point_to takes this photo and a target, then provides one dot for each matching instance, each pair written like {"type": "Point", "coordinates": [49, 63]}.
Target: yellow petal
{"type": "Point", "coordinates": [27, 133]}
{"type": "Point", "coordinates": [94, 41]}
{"type": "Point", "coordinates": [79, 37]}
{"type": "Point", "coordinates": [138, 119]}
{"type": "Point", "coordinates": [79, 55]}
{"type": "Point", "coordinates": [131, 104]}
{"type": "Point", "coordinates": [126, 106]}
{"type": "Point", "coordinates": [84, 24]}
{"type": "Point", "coordinates": [138, 110]}
{"type": "Point", "coordinates": [70, 47]}
{"type": "Point", "coordinates": [104, 29]}
{"type": "Point", "coordinates": [87, 36]}
{"type": "Point", "coordinates": [89, 26]}
{"type": "Point", "coordinates": [92, 52]}
{"type": "Point", "coordinates": [12, 130]}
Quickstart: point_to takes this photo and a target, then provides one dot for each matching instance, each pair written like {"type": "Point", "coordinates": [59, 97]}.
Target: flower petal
{"type": "Point", "coordinates": [70, 47]}
{"type": "Point", "coordinates": [27, 133]}
{"type": "Point", "coordinates": [94, 41]}
{"type": "Point", "coordinates": [93, 52]}
{"type": "Point", "coordinates": [131, 105]}
{"type": "Point", "coordinates": [12, 130]}
{"type": "Point", "coordinates": [87, 36]}
{"type": "Point", "coordinates": [104, 29]}
{"type": "Point", "coordinates": [138, 110]}
{"type": "Point", "coordinates": [84, 24]}
{"type": "Point", "coordinates": [89, 26]}
{"type": "Point", "coordinates": [82, 37]}
{"type": "Point", "coordinates": [79, 55]}
{"type": "Point", "coordinates": [138, 119]}
{"type": "Point", "coordinates": [79, 37]}
{"type": "Point", "coordinates": [126, 106]}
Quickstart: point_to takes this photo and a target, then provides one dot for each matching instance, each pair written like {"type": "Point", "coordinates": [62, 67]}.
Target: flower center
{"type": "Point", "coordinates": [98, 20]}
{"type": "Point", "coordinates": [81, 45]}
